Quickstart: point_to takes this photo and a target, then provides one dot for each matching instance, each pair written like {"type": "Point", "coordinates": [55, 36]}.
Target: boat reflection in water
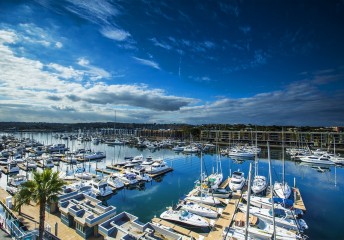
{"type": "Point", "coordinates": [322, 168]}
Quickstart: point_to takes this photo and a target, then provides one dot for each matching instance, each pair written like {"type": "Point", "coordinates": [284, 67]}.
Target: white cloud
{"type": "Point", "coordinates": [93, 72]}
{"type": "Point", "coordinates": [35, 91]}
{"type": "Point", "coordinates": [7, 37]}
{"type": "Point", "coordinates": [147, 63]}
{"type": "Point", "coordinates": [58, 45]}
{"type": "Point", "coordinates": [115, 34]}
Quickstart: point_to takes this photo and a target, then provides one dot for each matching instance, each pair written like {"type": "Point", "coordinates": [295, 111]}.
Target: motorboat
{"type": "Point", "coordinates": [127, 178]}
{"type": "Point", "coordinates": [237, 181]}
{"type": "Point", "coordinates": [47, 163]}
{"type": "Point", "coordinates": [148, 161]}
{"type": "Point", "coordinates": [197, 209]}
{"type": "Point", "coordinates": [12, 167]}
{"type": "Point", "coordinates": [184, 217]}
{"type": "Point", "coordinates": [140, 174]}
{"type": "Point", "coordinates": [115, 182]}
{"type": "Point", "coordinates": [138, 159]}
{"type": "Point", "coordinates": [17, 180]}
{"type": "Point", "coordinates": [12, 190]}
{"type": "Point", "coordinates": [178, 148]}
{"type": "Point", "coordinates": [282, 190]}
{"type": "Point", "coordinates": [95, 156]}
{"type": "Point", "coordinates": [156, 167]}
{"type": "Point", "coordinates": [30, 164]}
{"type": "Point", "coordinates": [191, 149]}
{"type": "Point", "coordinates": [100, 187]}
{"type": "Point", "coordinates": [259, 184]}
{"type": "Point", "coordinates": [322, 159]}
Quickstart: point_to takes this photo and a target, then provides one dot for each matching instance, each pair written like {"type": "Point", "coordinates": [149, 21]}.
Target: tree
{"type": "Point", "coordinates": [42, 190]}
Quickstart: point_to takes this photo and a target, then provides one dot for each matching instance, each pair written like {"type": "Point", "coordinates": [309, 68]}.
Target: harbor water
{"type": "Point", "coordinates": [322, 188]}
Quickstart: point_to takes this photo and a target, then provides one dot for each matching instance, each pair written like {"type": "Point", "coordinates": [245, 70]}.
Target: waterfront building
{"type": "Point", "coordinates": [84, 213]}
{"type": "Point", "coordinates": [127, 226]}
{"type": "Point", "coordinates": [290, 138]}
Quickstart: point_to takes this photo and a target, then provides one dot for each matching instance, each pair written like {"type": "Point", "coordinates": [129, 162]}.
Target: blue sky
{"type": "Point", "coordinates": [197, 62]}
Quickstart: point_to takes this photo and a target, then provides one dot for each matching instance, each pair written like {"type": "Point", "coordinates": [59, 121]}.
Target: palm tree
{"type": "Point", "coordinates": [42, 190]}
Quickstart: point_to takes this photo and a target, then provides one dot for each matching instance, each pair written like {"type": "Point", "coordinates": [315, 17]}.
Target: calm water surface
{"type": "Point", "coordinates": [321, 188]}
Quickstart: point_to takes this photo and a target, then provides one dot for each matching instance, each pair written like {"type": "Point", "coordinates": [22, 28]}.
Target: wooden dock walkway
{"type": "Point", "coordinates": [115, 167]}
{"type": "Point", "coordinates": [225, 183]}
{"type": "Point", "coordinates": [177, 228]}
{"type": "Point", "coordinates": [298, 202]}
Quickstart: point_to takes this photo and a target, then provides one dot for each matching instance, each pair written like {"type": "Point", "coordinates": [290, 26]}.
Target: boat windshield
{"type": "Point", "coordinates": [184, 213]}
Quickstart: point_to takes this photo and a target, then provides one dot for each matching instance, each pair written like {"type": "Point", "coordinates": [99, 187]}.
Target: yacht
{"type": "Point", "coordinates": [149, 161]}
{"type": "Point", "coordinates": [115, 182]}
{"type": "Point", "coordinates": [157, 167]}
{"type": "Point", "coordinates": [259, 184]}
{"type": "Point", "coordinates": [12, 167]}
{"type": "Point", "coordinates": [127, 178]}
{"type": "Point", "coordinates": [17, 180]}
{"type": "Point", "coordinates": [184, 217]}
{"type": "Point", "coordinates": [101, 187]}
{"type": "Point", "coordinates": [31, 164]}
{"type": "Point", "coordinates": [95, 156]}
{"type": "Point", "coordinates": [178, 148]}
{"type": "Point", "coordinates": [191, 149]}
{"type": "Point", "coordinates": [197, 209]}
{"type": "Point", "coordinates": [237, 181]}
{"type": "Point", "coordinates": [138, 159]}
{"type": "Point", "coordinates": [47, 163]}
{"type": "Point", "coordinates": [322, 159]}
{"type": "Point", "coordinates": [140, 174]}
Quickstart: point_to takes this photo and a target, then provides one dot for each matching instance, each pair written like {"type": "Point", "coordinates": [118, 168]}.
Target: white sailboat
{"type": "Point", "coordinates": [215, 179]}
{"type": "Point", "coordinates": [282, 189]}
{"type": "Point", "coordinates": [282, 219]}
{"type": "Point", "coordinates": [259, 183]}
{"type": "Point", "coordinates": [201, 197]}
{"type": "Point", "coordinates": [258, 229]}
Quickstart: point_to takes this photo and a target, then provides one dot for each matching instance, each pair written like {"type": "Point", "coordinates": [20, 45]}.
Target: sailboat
{"type": "Point", "coordinates": [201, 197]}
{"type": "Point", "coordinates": [259, 182]}
{"type": "Point", "coordinates": [282, 189]}
{"type": "Point", "coordinates": [215, 179]}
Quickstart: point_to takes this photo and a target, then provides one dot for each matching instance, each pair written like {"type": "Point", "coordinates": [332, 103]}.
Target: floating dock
{"type": "Point", "coordinates": [153, 175]}
{"type": "Point", "coordinates": [298, 202]}
{"type": "Point", "coordinates": [104, 171]}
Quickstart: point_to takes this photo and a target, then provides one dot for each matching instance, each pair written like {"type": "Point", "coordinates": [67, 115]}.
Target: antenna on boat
{"type": "Point", "coordinates": [272, 193]}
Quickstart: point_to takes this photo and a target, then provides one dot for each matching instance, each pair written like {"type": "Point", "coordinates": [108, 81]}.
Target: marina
{"type": "Point", "coordinates": [155, 195]}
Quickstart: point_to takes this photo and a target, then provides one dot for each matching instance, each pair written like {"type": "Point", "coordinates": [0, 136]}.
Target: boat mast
{"type": "Point", "coordinates": [256, 158]}
{"type": "Point", "coordinates": [272, 197]}
{"type": "Point", "coordinates": [248, 202]}
{"type": "Point", "coordinates": [283, 170]}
